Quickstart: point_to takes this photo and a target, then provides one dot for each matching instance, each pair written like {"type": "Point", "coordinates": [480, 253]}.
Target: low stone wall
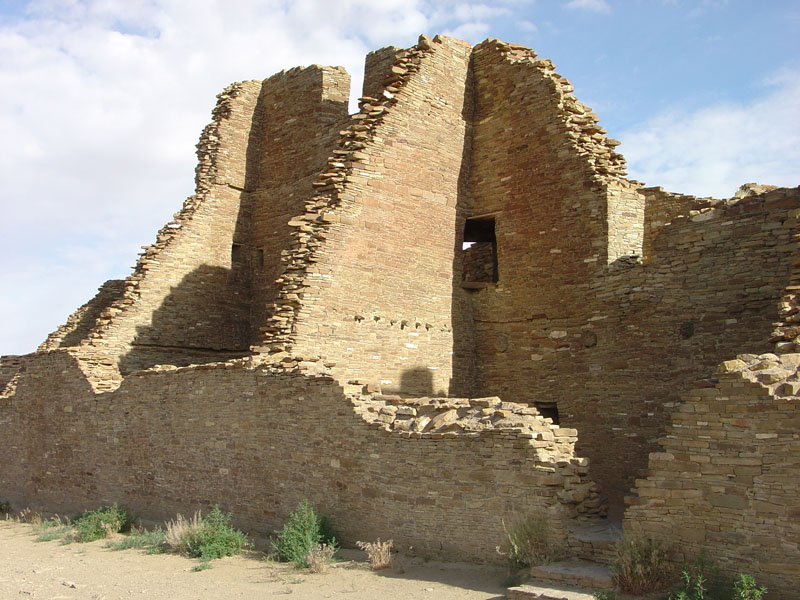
{"type": "Point", "coordinates": [726, 481]}
{"type": "Point", "coordinates": [258, 442]}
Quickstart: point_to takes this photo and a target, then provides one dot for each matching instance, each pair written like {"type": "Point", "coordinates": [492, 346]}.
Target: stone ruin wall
{"type": "Point", "coordinates": [301, 113]}
{"type": "Point", "coordinates": [612, 300]}
{"type": "Point", "coordinates": [184, 304]}
{"type": "Point", "coordinates": [371, 270]}
{"type": "Point", "coordinates": [725, 479]}
{"type": "Point", "coordinates": [258, 442]}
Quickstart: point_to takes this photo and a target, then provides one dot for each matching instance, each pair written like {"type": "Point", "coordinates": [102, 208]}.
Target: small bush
{"type": "Point", "coordinates": [640, 565]}
{"type": "Point", "coordinates": [154, 541]}
{"type": "Point", "coordinates": [745, 588]}
{"type": "Point", "coordinates": [100, 523]}
{"type": "Point", "coordinates": [206, 537]}
{"type": "Point", "coordinates": [531, 541]}
{"type": "Point", "coordinates": [303, 533]}
{"type": "Point", "coordinates": [320, 558]}
{"type": "Point", "coordinates": [379, 553]}
{"type": "Point", "coordinates": [5, 508]}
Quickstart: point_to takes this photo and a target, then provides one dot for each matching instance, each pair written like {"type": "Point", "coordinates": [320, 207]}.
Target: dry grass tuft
{"type": "Point", "coordinates": [378, 552]}
{"type": "Point", "coordinates": [530, 541]}
{"type": "Point", "coordinates": [640, 565]}
{"type": "Point", "coordinates": [319, 558]}
{"type": "Point", "coordinates": [181, 533]}
{"type": "Point", "coordinates": [32, 517]}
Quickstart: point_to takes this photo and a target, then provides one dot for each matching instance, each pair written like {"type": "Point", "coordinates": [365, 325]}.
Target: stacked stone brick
{"type": "Point", "coordinates": [322, 261]}
{"type": "Point", "coordinates": [725, 482]}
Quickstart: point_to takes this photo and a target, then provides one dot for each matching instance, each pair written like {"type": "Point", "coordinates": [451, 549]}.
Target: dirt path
{"type": "Point", "coordinates": [55, 571]}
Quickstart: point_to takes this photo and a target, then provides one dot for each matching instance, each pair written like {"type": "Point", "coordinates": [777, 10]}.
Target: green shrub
{"type": "Point", "coordinates": [745, 588]}
{"type": "Point", "coordinates": [531, 541]}
{"type": "Point", "coordinates": [303, 532]}
{"type": "Point", "coordinates": [5, 507]}
{"type": "Point", "coordinates": [100, 523]}
{"type": "Point", "coordinates": [700, 581]}
{"type": "Point", "coordinates": [206, 537]}
{"type": "Point", "coordinates": [640, 565]}
{"type": "Point", "coordinates": [154, 541]}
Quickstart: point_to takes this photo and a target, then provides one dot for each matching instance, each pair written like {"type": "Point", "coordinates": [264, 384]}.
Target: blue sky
{"type": "Point", "coordinates": [103, 101]}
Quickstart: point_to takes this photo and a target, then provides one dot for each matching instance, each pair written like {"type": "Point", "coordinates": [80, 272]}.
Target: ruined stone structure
{"type": "Point", "coordinates": [427, 317]}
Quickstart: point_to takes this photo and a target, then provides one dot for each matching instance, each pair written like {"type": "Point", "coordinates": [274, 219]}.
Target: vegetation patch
{"type": "Point", "coordinates": [379, 553]}
{"type": "Point", "coordinates": [154, 541]}
{"type": "Point", "coordinates": [51, 529]}
{"type": "Point", "coordinates": [701, 581]}
{"type": "Point", "coordinates": [530, 541]}
{"type": "Point", "coordinates": [302, 534]}
{"type": "Point", "coordinates": [640, 565]}
{"type": "Point", "coordinates": [100, 523]}
{"type": "Point", "coordinates": [206, 537]}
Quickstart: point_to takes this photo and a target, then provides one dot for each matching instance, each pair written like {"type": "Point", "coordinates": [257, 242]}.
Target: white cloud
{"type": "Point", "coordinates": [472, 32]}
{"type": "Point", "coordinates": [712, 150]}
{"type": "Point", "coordinates": [598, 6]}
{"type": "Point", "coordinates": [103, 101]}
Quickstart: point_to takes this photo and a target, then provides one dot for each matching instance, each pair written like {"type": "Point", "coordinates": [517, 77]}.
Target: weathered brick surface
{"type": "Point", "coordinates": [319, 284]}
{"type": "Point", "coordinates": [725, 481]}
{"type": "Point", "coordinates": [259, 442]}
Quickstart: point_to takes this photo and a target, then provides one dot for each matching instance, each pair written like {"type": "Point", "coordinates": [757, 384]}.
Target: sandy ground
{"type": "Point", "coordinates": [57, 571]}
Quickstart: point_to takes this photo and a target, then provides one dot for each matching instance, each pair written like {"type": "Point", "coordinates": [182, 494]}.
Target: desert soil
{"type": "Point", "coordinates": [57, 571]}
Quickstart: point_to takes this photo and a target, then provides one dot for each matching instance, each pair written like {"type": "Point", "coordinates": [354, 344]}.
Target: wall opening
{"type": "Point", "coordinates": [236, 253]}
{"type": "Point", "coordinates": [549, 410]}
{"type": "Point", "coordinates": [479, 252]}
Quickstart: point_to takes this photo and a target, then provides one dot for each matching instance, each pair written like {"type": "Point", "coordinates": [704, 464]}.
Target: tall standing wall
{"type": "Point", "coordinates": [375, 249]}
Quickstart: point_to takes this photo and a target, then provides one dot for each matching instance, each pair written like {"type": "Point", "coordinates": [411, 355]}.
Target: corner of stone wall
{"type": "Point", "coordinates": [583, 136]}
{"type": "Point", "coordinates": [547, 449]}
{"type": "Point", "coordinates": [10, 367]}
{"type": "Point", "coordinates": [725, 481]}
{"type": "Point", "coordinates": [377, 68]}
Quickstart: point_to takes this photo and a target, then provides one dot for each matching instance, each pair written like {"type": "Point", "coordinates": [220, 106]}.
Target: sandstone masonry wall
{"type": "Point", "coordinates": [81, 322]}
{"type": "Point", "coordinates": [710, 290]}
{"type": "Point", "coordinates": [725, 481]}
{"type": "Point", "coordinates": [185, 294]}
{"type": "Point", "coordinates": [258, 442]}
{"type": "Point", "coordinates": [375, 250]}
{"type": "Point", "coordinates": [301, 113]}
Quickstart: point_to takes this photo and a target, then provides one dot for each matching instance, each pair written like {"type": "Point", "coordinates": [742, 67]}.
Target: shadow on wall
{"type": "Point", "coordinates": [203, 319]}
{"type": "Point", "coordinates": [464, 367]}
{"type": "Point", "coordinates": [416, 382]}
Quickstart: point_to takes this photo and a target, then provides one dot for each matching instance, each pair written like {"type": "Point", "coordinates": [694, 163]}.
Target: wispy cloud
{"type": "Point", "coordinates": [712, 150]}
{"type": "Point", "coordinates": [598, 6]}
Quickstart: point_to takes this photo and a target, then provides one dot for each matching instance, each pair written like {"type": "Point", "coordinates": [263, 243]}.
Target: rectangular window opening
{"type": "Point", "coordinates": [260, 257]}
{"type": "Point", "coordinates": [236, 253]}
{"type": "Point", "coordinates": [479, 251]}
{"type": "Point", "coordinates": [549, 410]}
